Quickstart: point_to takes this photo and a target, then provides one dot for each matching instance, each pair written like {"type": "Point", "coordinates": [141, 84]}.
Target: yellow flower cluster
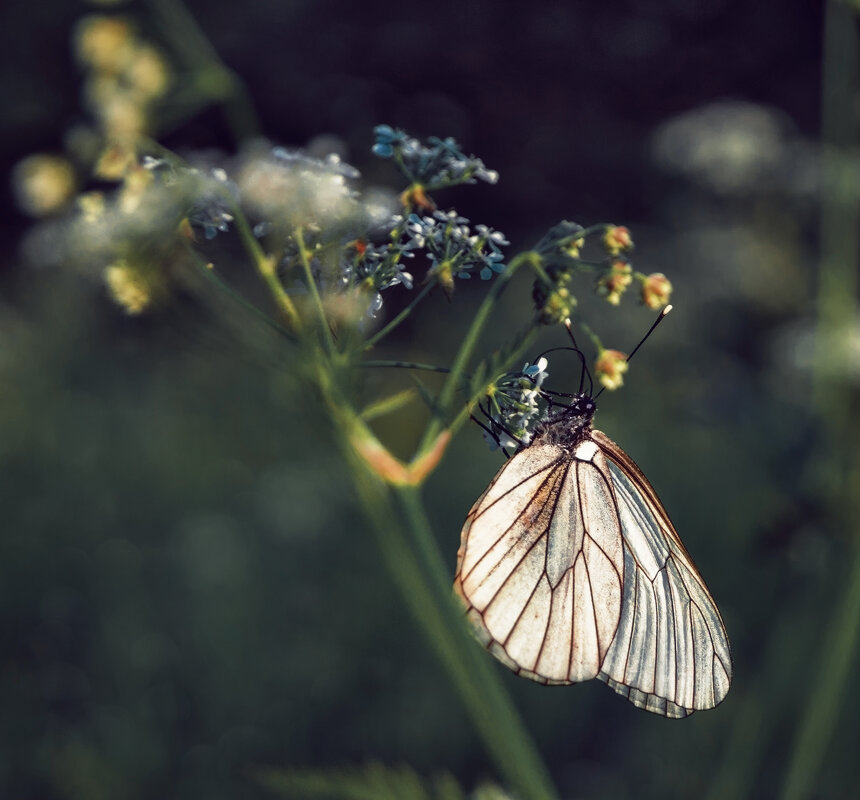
{"type": "Point", "coordinates": [128, 287]}
{"type": "Point", "coordinates": [125, 76]}
{"type": "Point", "coordinates": [43, 184]}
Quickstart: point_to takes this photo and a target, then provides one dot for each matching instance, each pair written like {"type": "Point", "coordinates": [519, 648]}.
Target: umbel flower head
{"type": "Point", "coordinates": [452, 248]}
{"type": "Point", "coordinates": [515, 405]}
{"type": "Point", "coordinates": [434, 165]}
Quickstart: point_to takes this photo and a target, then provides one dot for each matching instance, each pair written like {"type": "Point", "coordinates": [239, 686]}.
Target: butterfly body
{"type": "Point", "coordinates": [570, 569]}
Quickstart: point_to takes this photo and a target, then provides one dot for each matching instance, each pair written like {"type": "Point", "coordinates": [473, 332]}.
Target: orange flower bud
{"type": "Point", "coordinates": [609, 368]}
{"type": "Point", "coordinates": [656, 290]}
{"type": "Point", "coordinates": [614, 282]}
{"type": "Point", "coordinates": [617, 239]}
{"type": "Point", "coordinates": [416, 198]}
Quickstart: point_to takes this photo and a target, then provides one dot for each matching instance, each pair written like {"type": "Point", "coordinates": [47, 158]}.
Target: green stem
{"type": "Point", "coordinates": [383, 332]}
{"type": "Point", "coordinates": [833, 395]}
{"type": "Point", "coordinates": [212, 78]}
{"type": "Point", "coordinates": [837, 283]}
{"type": "Point", "coordinates": [595, 339]}
{"type": "Point", "coordinates": [210, 275]}
{"type": "Point", "coordinates": [830, 688]}
{"type": "Point", "coordinates": [405, 365]}
{"type": "Point", "coordinates": [465, 412]}
{"type": "Point", "coordinates": [328, 338]}
{"type": "Point", "coordinates": [470, 342]}
{"type": "Point", "coordinates": [265, 266]}
{"type": "Point", "coordinates": [418, 570]}
{"type": "Point", "coordinates": [470, 668]}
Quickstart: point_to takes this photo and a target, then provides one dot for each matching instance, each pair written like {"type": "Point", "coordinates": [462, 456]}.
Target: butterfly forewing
{"type": "Point", "coordinates": [570, 569]}
{"type": "Point", "coordinates": [543, 582]}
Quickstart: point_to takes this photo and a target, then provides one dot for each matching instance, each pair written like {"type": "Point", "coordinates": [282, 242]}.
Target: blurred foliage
{"type": "Point", "coordinates": [374, 782]}
{"type": "Point", "coordinates": [187, 591]}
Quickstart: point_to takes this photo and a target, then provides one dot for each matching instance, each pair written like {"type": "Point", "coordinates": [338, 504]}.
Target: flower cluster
{"type": "Point", "coordinates": [376, 268]}
{"type": "Point", "coordinates": [515, 406]}
{"type": "Point", "coordinates": [287, 189]}
{"type": "Point", "coordinates": [126, 77]}
{"type": "Point", "coordinates": [437, 164]}
{"type": "Point", "coordinates": [453, 250]}
{"type": "Point", "coordinates": [617, 239]}
{"type": "Point", "coordinates": [560, 252]}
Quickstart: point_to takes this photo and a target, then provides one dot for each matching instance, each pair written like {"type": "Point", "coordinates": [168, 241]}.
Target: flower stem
{"type": "Point", "coordinates": [419, 574]}
{"type": "Point", "coordinates": [827, 698]}
{"type": "Point", "coordinates": [383, 332]}
{"type": "Point", "coordinates": [209, 273]}
{"type": "Point", "coordinates": [405, 365]}
{"type": "Point", "coordinates": [213, 80]}
{"type": "Point", "coordinates": [470, 668]}
{"type": "Point", "coordinates": [265, 266]}
{"type": "Point", "coordinates": [399, 523]}
{"type": "Point", "coordinates": [328, 338]}
{"type": "Point", "coordinates": [470, 342]}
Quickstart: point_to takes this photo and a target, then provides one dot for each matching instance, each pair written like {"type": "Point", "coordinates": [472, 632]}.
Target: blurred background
{"type": "Point", "coordinates": [187, 590]}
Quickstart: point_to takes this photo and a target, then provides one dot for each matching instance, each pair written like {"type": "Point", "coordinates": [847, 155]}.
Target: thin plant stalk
{"type": "Point", "coordinates": [212, 79]}
{"type": "Point", "coordinates": [266, 268]}
{"type": "Point", "coordinates": [408, 549]}
{"type": "Point", "coordinates": [328, 339]}
{"type": "Point", "coordinates": [837, 307]}
{"type": "Point", "coordinates": [383, 332]}
{"type": "Point", "coordinates": [470, 342]}
{"type": "Point", "coordinates": [429, 599]}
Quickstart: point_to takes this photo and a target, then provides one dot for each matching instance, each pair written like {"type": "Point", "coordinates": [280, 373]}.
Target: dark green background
{"type": "Point", "coordinates": [186, 585]}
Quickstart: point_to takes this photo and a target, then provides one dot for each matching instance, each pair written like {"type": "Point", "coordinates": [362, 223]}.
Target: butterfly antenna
{"type": "Point", "coordinates": [657, 321]}
{"type": "Point", "coordinates": [660, 317]}
{"type": "Point", "coordinates": [584, 370]}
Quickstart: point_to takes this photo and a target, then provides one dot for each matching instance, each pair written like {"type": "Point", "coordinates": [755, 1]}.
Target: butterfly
{"type": "Point", "coordinates": [570, 569]}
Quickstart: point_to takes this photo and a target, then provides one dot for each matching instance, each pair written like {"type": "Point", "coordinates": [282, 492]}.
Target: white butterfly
{"type": "Point", "coordinates": [570, 569]}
